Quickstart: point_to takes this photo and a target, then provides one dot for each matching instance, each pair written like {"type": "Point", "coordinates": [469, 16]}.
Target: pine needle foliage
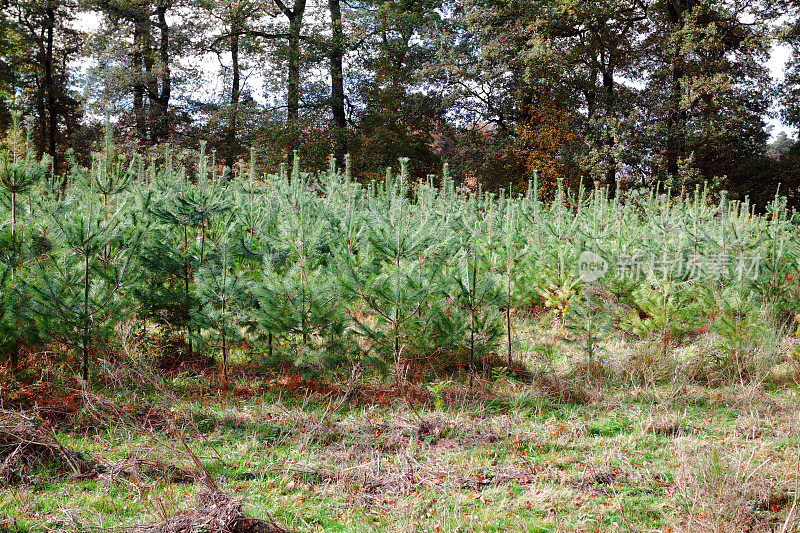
{"type": "Point", "coordinates": [80, 286]}
{"type": "Point", "coordinates": [325, 274]}
{"type": "Point", "coordinates": [397, 274]}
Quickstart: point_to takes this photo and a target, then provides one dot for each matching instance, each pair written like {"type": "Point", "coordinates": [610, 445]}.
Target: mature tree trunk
{"type": "Point", "coordinates": [295, 16]}
{"type": "Point", "coordinates": [591, 95]}
{"type": "Point", "coordinates": [611, 172]}
{"type": "Point", "coordinates": [230, 157]}
{"type": "Point", "coordinates": [149, 79]}
{"type": "Point", "coordinates": [160, 99]}
{"type": "Point", "coordinates": [293, 89]}
{"type": "Point", "coordinates": [526, 106]}
{"type": "Point", "coordinates": [337, 80]}
{"type": "Point", "coordinates": [675, 120]}
{"type": "Point", "coordinates": [52, 106]}
{"type": "Point", "coordinates": [675, 115]}
{"type": "Point", "coordinates": [40, 103]}
{"type": "Point", "coordinates": [139, 112]}
{"type": "Point", "coordinates": [158, 76]}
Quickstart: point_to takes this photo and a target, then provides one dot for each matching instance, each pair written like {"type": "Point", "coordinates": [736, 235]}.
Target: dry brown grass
{"type": "Point", "coordinates": [736, 489]}
{"type": "Point", "coordinates": [665, 424]}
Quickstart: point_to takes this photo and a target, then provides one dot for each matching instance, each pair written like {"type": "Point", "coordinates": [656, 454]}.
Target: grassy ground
{"type": "Point", "coordinates": [578, 456]}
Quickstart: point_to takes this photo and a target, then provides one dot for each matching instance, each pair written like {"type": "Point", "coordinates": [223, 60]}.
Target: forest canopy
{"type": "Point", "coordinates": [620, 92]}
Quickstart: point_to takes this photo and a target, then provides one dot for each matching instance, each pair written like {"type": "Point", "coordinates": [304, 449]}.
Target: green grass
{"type": "Point", "coordinates": [618, 464]}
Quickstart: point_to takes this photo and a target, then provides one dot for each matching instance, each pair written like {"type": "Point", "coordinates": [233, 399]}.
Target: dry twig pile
{"type": "Point", "coordinates": [29, 447]}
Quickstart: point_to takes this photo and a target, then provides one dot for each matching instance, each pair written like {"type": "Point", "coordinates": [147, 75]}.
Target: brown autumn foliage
{"type": "Point", "coordinates": [544, 144]}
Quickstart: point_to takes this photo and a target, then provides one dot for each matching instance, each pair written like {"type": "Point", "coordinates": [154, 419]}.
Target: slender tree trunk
{"type": "Point", "coordinates": [224, 347]}
{"type": "Point", "coordinates": [471, 347]}
{"type": "Point", "coordinates": [303, 317]}
{"type": "Point", "coordinates": [52, 110]}
{"type": "Point", "coordinates": [13, 231]}
{"type": "Point", "coordinates": [15, 355]}
{"type": "Point", "coordinates": [186, 293]}
{"type": "Point", "coordinates": [473, 305]}
{"type": "Point", "coordinates": [508, 301]}
{"type": "Point", "coordinates": [85, 340]}
{"type": "Point", "coordinates": [337, 80]}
